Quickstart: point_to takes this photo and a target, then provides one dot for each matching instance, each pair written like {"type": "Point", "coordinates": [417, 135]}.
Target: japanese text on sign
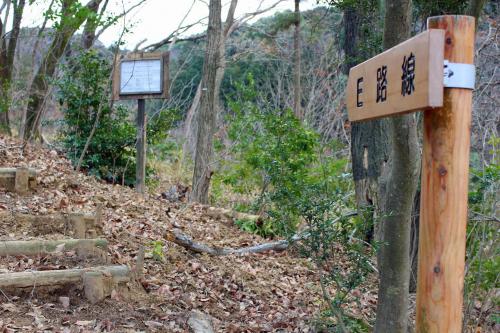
{"type": "Point", "coordinates": [406, 78]}
{"type": "Point", "coordinates": [141, 77]}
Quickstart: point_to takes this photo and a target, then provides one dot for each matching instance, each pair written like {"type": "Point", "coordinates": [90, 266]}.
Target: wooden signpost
{"type": "Point", "coordinates": [387, 84]}
{"type": "Point", "coordinates": [141, 76]}
{"type": "Point", "coordinates": [434, 73]}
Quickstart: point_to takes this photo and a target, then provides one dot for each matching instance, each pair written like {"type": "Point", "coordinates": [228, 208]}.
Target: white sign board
{"type": "Point", "coordinates": [141, 77]}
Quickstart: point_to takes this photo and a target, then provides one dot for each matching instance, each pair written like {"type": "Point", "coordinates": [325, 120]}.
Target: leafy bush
{"type": "Point", "coordinates": [83, 90]}
{"type": "Point", "coordinates": [272, 152]}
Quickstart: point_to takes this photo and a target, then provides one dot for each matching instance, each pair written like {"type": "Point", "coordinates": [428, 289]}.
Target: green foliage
{"type": "Point", "coordinates": [483, 247]}
{"type": "Point", "coordinates": [426, 8]}
{"type": "Point", "coordinates": [270, 26]}
{"type": "Point", "coordinates": [158, 125]}
{"type": "Point", "coordinates": [483, 183]}
{"type": "Point", "coordinates": [483, 250]}
{"type": "Point", "coordinates": [83, 93]}
{"type": "Point", "coordinates": [305, 193]}
{"type": "Point", "coordinates": [333, 239]}
{"type": "Point", "coordinates": [262, 228]}
{"type": "Point", "coordinates": [68, 14]}
{"type": "Point", "coordinates": [273, 152]}
{"type": "Point", "coordinates": [157, 250]}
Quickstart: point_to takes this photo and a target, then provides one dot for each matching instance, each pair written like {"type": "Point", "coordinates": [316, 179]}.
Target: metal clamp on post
{"type": "Point", "coordinates": [456, 75]}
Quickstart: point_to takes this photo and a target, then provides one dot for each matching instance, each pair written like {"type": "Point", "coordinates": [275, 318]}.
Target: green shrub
{"type": "Point", "coordinates": [483, 247]}
{"type": "Point", "coordinates": [272, 154]}
{"type": "Point", "coordinates": [305, 192]}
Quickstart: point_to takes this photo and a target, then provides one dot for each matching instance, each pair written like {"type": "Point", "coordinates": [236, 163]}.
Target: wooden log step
{"type": "Point", "coordinates": [35, 247]}
{"type": "Point", "coordinates": [75, 225]}
{"type": "Point", "coordinates": [114, 274]}
{"type": "Point", "coordinates": [18, 180]}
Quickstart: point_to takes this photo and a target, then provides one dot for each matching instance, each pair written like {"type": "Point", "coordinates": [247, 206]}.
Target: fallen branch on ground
{"type": "Point", "coordinates": [179, 238]}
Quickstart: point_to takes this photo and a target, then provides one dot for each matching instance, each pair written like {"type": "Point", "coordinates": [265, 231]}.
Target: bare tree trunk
{"type": "Point", "coordinates": [208, 106]}
{"type": "Point", "coordinates": [297, 107]}
{"type": "Point", "coordinates": [191, 125]}
{"type": "Point", "coordinates": [415, 227]}
{"type": "Point", "coordinates": [369, 139]}
{"type": "Point", "coordinates": [69, 24]}
{"type": "Point", "coordinates": [7, 53]}
{"type": "Point", "coordinates": [228, 28]}
{"type": "Point", "coordinates": [394, 256]}
{"type": "Point", "coordinates": [369, 154]}
{"type": "Point", "coordinates": [351, 23]}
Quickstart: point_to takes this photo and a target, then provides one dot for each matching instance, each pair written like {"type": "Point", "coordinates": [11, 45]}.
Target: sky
{"type": "Point", "coordinates": [156, 19]}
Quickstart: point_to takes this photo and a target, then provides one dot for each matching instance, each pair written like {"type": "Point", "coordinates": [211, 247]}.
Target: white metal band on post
{"type": "Point", "coordinates": [456, 75]}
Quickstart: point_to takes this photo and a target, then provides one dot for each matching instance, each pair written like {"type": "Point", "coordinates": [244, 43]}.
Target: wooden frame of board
{"type": "Point", "coordinates": [162, 56]}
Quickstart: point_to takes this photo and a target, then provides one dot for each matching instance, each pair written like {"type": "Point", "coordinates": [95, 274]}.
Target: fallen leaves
{"type": "Point", "coordinates": [240, 293]}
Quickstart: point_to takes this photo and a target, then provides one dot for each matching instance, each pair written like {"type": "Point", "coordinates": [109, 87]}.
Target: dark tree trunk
{"type": "Point", "coordinates": [369, 140]}
{"type": "Point", "coordinates": [297, 107]}
{"type": "Point", "coordinates": [370, 154]}
{"type": "Point", "coordinates": [394, 256]}
{"type": "Point", "coordinates": [7, 52]}
{"type": "Point", "coordinates": [208, 107]}
{"type": "Point", "coordinates": [350, 43]}
{"type": "Point", "coordinates": [475, 8]}
{"type": "Point", "coordinates": [415, 223]}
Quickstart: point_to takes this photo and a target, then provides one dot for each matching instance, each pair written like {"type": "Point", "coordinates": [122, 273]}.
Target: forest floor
{"type": "Point", "coordinates": [267, 292]}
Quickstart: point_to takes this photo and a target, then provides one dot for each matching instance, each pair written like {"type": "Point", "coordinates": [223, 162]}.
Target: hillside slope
{"type": "Point", "coordinates": [249, 293]}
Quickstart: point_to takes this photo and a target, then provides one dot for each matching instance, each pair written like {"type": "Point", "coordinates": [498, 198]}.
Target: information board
{"type": "Point", "coordinates": [141, 77]}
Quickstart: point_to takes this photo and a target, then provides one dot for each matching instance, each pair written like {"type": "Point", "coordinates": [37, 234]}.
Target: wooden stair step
{"type": "Point", "coordinates": [36, 247]}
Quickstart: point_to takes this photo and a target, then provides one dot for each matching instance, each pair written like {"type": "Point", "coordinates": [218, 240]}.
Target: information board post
{"type": "Point", "coordinates": [140, 170]}
{"type": "Point", "coordinates": [443, 213]}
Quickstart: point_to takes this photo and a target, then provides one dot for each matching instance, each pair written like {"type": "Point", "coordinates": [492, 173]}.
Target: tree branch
{"type": "Point", "coordinates": [173, 37]}
{"type": "Point", "coordinates": [115, 19]}
{"type": "Point", "coordinates": [177, 237]}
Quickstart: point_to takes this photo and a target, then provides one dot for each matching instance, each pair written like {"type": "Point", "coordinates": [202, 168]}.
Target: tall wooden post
{"type": "Point", "coordinates": [140, 169]}
{"type": "Point", "coordinates": [445, 171]}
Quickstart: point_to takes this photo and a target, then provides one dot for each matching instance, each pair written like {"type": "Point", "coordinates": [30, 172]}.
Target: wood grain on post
{"type": "Point", "coordinates": [445, 171]}
{"type": "Point", "coordinates": [38, 247]}
{"type": "Point", "coordinates": [29, 279]}
{"type": "Point", "coordinates": [21, 183]}
{"type": "Point", "coordinates": [79, 225]}
{"type": "Point", "coordinates": [140, 169]}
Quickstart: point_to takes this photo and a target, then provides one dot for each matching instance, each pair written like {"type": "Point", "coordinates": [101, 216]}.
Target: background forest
{"type": "Point", "coordinates": [281, 149]}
